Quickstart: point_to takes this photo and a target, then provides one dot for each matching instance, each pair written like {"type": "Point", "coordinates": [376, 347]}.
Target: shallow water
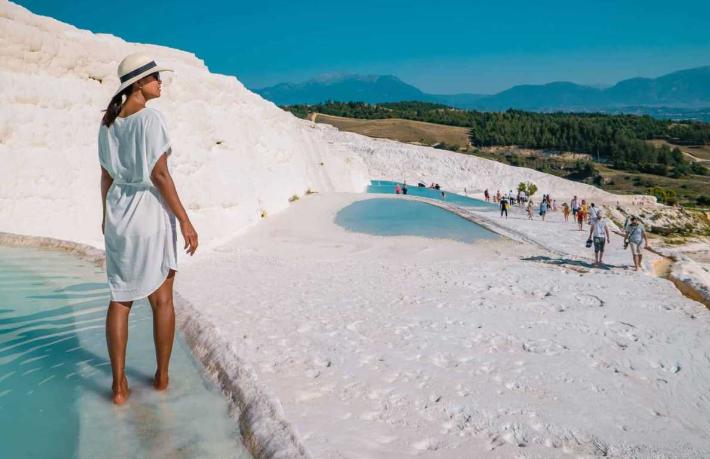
{"type": "Point", "coordinates": [55, 376]}
{"type": "Point", "coordinates": [383, 186]}
{"type": "Point", "coordinates": [401, 217]}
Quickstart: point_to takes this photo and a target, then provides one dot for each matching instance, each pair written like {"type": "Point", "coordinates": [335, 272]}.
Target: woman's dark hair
{"type": "Point", "coordinates": [114, 107]}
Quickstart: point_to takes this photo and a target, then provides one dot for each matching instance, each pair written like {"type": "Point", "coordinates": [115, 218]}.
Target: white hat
{"type": "Point", "coordinates": [134, 67]}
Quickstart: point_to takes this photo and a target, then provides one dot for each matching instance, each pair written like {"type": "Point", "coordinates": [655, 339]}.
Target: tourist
{"type": "Point", "coordinates": [543, 209]}
{"type": "Point", "coordinates": [575, 207]}
{"type": "Point", "coordinates": [530, 209]}
{"type": "Point", "coordinates": [635, 235]}
{"type": "Point", "coordinates": [404, 188]}
{"type": "Point", "coordinates": [565, 211]}
{"type": "Point", "coordinates": [504, 208]}
{"type": "Point", "coordinates": [554, 205]}
{"type": "Point", "coordinates": [599, 234]}
{"type": "Point", "coordinates": [592, 214]}
{"type": "Point", "coordinates": [140, 205]}
{"type": "Point", "coordinates": [397, 189]}
{"type": "Point", "coordinates": [443, 194]}
{"type": "Point", "coordinates": [581, 214]}
{"type": "Point", "coordinates": [487, 195]}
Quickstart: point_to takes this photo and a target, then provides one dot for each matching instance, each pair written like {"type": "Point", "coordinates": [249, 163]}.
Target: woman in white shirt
{"type": "Point", "coordinates": [140, 205]}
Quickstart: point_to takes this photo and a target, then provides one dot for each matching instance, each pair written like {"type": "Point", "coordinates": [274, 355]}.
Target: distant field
{"type": "Point", "coordinates": [402, 130]}
{"type": "Point", "coordinates": [688, 188]}
{"type": "Point", "coordinates": [616, 181]}
{"type": "Point", "coordinates": [698, 152]}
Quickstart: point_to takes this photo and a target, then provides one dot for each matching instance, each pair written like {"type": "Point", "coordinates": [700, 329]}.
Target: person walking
{"type": "Point", "coordinates": [574, 204]}
{"type": "Point", "coordinates": [592, 214]}
{"type": "Point", "coordinates": [487, 195]}
{"type": "Point", "coordinates": [599, 234]}
{"type": "Point", "coordinates": [504, 208]}
{"type": "Point", "coordinates": [565, 211]}
{"type": "Point", "coordinates": [543, 208]}
{"type": "Point", "coordinates": [581, 214]}
{"type": "Point", "coordinates": [140, 205]}
{"type": "Point", "coordinates": [530, 209]}
{"type": "Point", "coordinates": [635, 235]}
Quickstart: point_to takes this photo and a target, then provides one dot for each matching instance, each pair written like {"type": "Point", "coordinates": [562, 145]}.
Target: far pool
{"type": "Point", "coordinates": [403, 217]}
{"type": "Point", "coordinates": [387, 187]}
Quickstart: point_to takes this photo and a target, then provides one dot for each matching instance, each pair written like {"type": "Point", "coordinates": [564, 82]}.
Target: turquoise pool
{"type": "Point", "coordinates": [384, 186]}
{"type": "Point", "coordinates": [402, 217]}
{"type": "Point", "coordinates": [55, 376]}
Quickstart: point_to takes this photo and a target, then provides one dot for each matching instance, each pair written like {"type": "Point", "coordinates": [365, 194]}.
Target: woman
{"type": "Point", "coordinates": [565, 211]}
{"type": "Point", "coordinates": [582, 214]}
{"type": "Point", "coordinates": [140, 205]}
{"type": "Point", "coordinates": [635, 235]}
{"type": "Point", "coordinates": [543, 208]}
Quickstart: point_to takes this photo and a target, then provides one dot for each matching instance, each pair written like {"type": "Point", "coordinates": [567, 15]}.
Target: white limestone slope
{"type": "Point", "coordinates": [390, 160]}
{"type": "Point", "coordinates": [236, 155]}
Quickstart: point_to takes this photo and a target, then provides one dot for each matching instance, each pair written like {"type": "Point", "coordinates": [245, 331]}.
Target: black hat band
{"type": "Point", "coordinates": [138, 71]}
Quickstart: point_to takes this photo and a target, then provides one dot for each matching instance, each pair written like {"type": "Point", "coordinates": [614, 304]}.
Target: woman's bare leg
{"type": "Point", "coordinates": [161, 301]}
{"type": "Point", "coordinates": [116, 339]}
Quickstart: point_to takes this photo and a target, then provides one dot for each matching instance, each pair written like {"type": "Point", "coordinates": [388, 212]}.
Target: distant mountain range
{"type": "Point", "coordinates": [685, 93]}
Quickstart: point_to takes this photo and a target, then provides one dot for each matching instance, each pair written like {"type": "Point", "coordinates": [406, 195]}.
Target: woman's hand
{"type": "Point", "coordinates": [190, 236]}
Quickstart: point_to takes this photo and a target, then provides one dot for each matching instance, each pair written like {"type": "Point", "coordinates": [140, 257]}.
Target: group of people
{"type": "Point", "coordinates": [634, 236]}
{"type": "Point", "coordinates": [599, 235]}
{"type": "Point", "coordinates": [401, 189]}
{"type": "Point", "coordinates": [511, 198]}
{"type": "Point", "coordinates": [404, 190]}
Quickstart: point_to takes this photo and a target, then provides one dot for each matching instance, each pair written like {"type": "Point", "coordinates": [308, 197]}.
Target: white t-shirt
{"type": "Point", "coordinates": [139, 229]}
{"type": "Point", "coordinates": [599, 227]}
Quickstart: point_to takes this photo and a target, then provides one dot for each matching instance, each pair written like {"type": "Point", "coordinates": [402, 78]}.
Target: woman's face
{"type": "Point", "coordinates": [150, 86]}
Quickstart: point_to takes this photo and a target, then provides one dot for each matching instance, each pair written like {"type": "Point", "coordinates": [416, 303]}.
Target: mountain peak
{"type": "Point", "coordinates": [688, 88]}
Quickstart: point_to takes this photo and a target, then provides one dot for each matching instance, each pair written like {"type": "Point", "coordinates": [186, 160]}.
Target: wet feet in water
{"type": "Point", "coordinates": [121, 392]}
{"type": "Point", "coordinates": [161, 381]}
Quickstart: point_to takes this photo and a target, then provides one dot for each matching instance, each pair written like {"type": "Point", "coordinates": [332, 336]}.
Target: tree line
{"type": "Point", "coordinates": [619, 140]}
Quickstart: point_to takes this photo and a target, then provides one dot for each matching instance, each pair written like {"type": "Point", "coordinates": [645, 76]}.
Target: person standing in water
{"type": "Point", "coordinates": [140, 205]}
{"type": "Point", "coordinates": [397, 189]}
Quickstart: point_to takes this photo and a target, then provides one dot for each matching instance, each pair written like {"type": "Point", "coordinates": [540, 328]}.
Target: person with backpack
{"type": "Point", "coordinates": [504, 208]}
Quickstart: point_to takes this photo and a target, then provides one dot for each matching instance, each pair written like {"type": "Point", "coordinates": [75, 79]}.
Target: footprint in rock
{"type": "Point", "coordinates": [590, 300]}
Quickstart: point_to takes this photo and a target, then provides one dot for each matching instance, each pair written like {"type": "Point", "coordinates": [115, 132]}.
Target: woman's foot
{"type": "Point", "coordinates": [121, 392]}
{"type": "Point", "coordinates": [161, 381]}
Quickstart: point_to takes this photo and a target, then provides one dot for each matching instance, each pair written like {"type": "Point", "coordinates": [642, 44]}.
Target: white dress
{"type": "Point", "coordinates": [139, 229]}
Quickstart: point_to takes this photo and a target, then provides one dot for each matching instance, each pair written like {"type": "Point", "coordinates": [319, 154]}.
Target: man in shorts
{"type": "Point", "coordinates": [574, 204]}
{"type": "Point", "coordinates": [635, 235]}
{"type": "Point", "coordinates": [599, 234]}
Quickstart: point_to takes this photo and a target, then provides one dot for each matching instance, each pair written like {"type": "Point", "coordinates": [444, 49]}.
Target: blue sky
{"type": "Point", "coordinates": [439, 46]}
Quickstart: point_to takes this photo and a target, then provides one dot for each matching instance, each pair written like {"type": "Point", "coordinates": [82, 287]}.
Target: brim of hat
{"type": "Point", "coordinates": [129, 82]}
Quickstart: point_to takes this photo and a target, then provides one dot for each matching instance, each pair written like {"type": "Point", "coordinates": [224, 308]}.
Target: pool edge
{"type": "Point", "coordinates": [265, 432]}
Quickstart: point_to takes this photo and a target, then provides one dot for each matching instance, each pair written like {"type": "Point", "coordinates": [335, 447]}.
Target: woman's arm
{"type": "Point", "coordinates": [106, 181]}
{"type": "Point", "coordinates": [164, 183]}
